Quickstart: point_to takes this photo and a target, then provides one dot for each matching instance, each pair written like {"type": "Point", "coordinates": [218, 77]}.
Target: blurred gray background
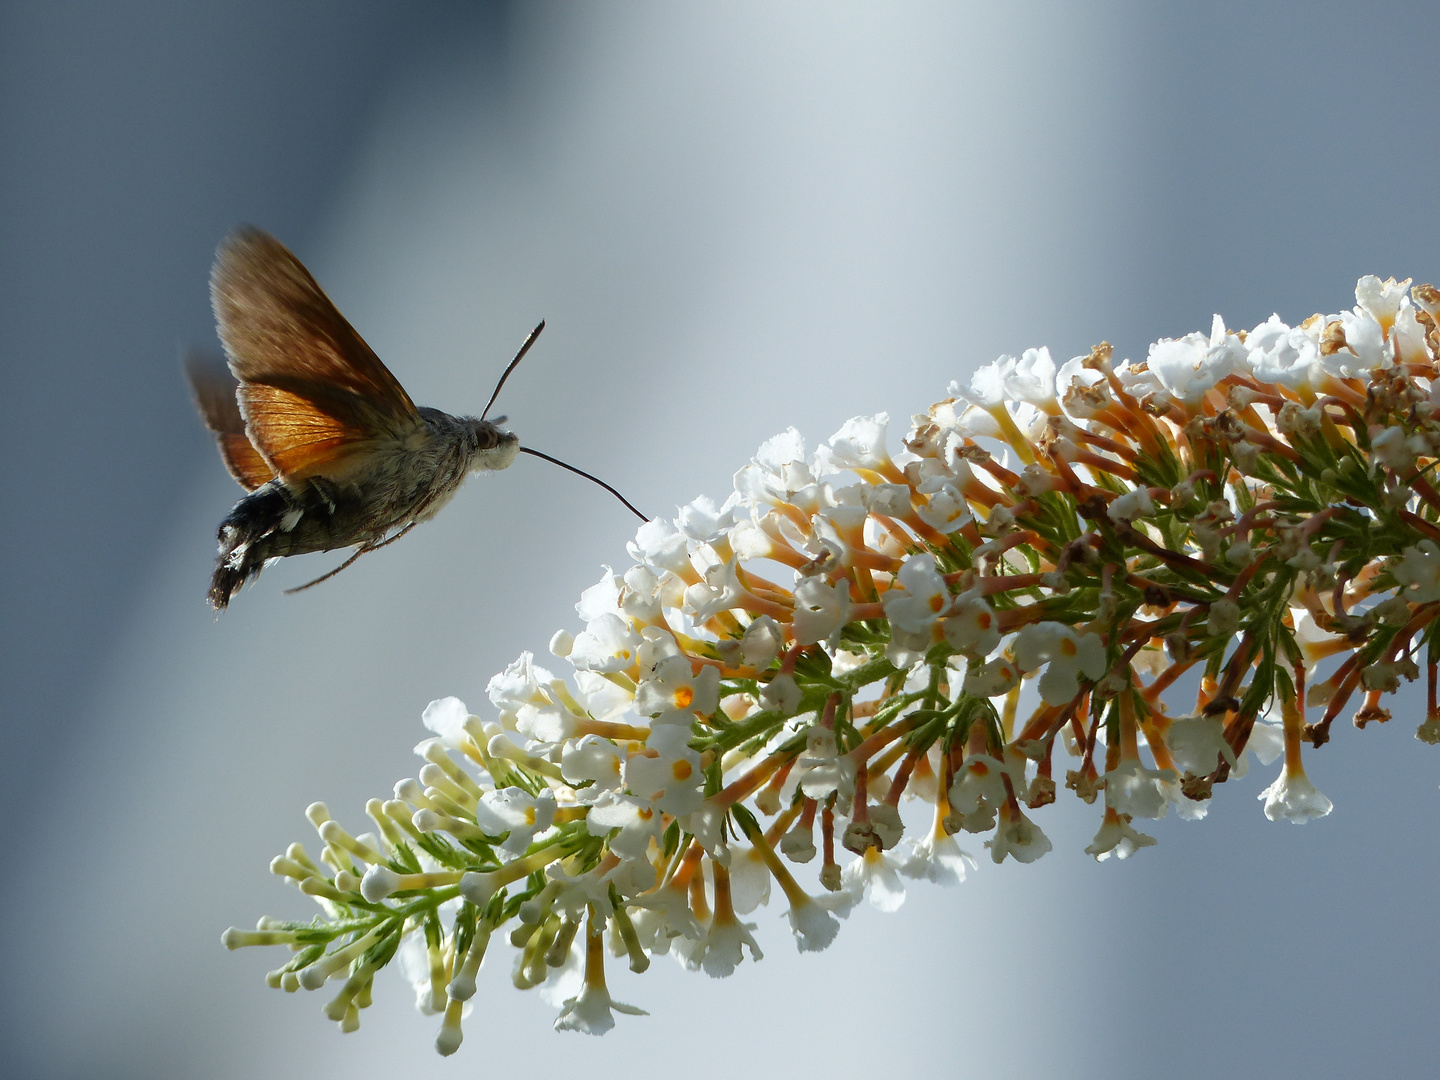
{"type": "Point", "coordinates": [736, 217]}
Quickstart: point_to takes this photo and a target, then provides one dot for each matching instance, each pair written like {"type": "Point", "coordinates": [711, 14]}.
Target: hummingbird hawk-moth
{"type": "Point", "coordinates": [331, 449]}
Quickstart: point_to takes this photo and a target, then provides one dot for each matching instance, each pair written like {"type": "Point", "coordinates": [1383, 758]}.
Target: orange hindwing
{"type": "Point", "coordinates": [214, 389]}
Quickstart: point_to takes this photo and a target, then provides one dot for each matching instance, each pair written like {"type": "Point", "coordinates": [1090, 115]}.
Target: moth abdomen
{"type": "Point", "coordinates": [271, 522]}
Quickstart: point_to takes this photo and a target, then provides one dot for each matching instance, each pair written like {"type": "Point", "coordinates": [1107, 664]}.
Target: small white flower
{"type": "Point", "coordinates": [602, 598]}
{"type": "Point", "coordinates": [522, 815]}
{"type": "Point", "coordinates": [919, 595]}
{"type": "Point", "coordinates": [1082, 389]}
{"type": "Point", "coordinates": [591, 1011]}
{"type": "Point", "coordinates": [821, 610]}
{"type": "Point", "coordinates": [798, 845]}
{"type": "Point", "coordinates": [1131, 505]}
{"type": "Point", "coordinates": [607, 644]}
{"type": "Point", "coordinates": [761, 643]}
{"type": "Point", "coordinates": [641, 594]}
{"type": "Point", "coordinates": [1365, 337]}
{"type": "Point", "coordinates": [1418, 572]}
{"type": "Point", "coordinates": [971, 627]}
{"type": "Point", "coordinates": [719, 591]}
{"type": "Point", "coordinates": [600, 698]}
{"type": "Point", "coordinates": [1266, 742]}
{"type": "Point", "coordinates": [1409, 338]}
{"type": "Point", "coordinates": [1280, 354]}
{"type": "Point", "coordinates": [446, 718]}
{"type": "Point", "coordinates": [821, 770]}
{"type": "Point", "coordinates": [593, 759]}
{"type": "Point", "coordinates": [887, 500]}
{"type": "Point", "coordinates": [781, 694]}
{"type": "Point", "coordinates": [876, 875]}
{"type": "Point", "coordinates": [778, 470]}
{"type": "Point", "coordinates": [749, 880]}
{"type": "Point", "coordinates": [1132, 789]}
{"type": "Point", "coordinates": [975, 423]}
{"type": "Point", "coordinates": [635, 818]}
{"type": "Point", "coordinates": [704, 522]}
{"type": "Point", "coordinates": [1032, 378]}
{"type": "Point", "coordinates": [945, 509]}
{"type": "Point", "coordinates": [673, 684]}
{"type": "Point", "coordinates": [814, 927]}
{"type": "Point", "coordinates": [979, 776]}
{"type": "Point", "coordinates": [550, 722]}
{"type": "Point", "coordinates": [414, 959]}
{"type": "Point", "coordinates": [522, 683]}
{"type": "Point", "coordinates": [1396, 450]}
{"type": "Point", "coordinates": [997, 677]}
{"type": "Point", "coordinates": [1116, 837]}
{"type": "Point", "coordinates": [1018, 837]}
{"type": "Point", "coordinates": [934, 857]}
{"type": "Point", "coordinates": [859, 445]}
{"type": "Point", "coordinates": [1197, 744]}
{"type": "Point", "coordinates": [668, 772]}
{"type": "Point", "coordinates": [1189, 367]}
{"type": "Point", "coordinates": [1139, 381]}
{"type": "Point", "coordinates": [667, 915]}
{"type": "Point", "coordinates": [1069, 654]}
{"type": "Point", "coordinates": [987, 384]}
{"type": "Point", "coordinates": [906, 648]}
{"type": "Point", "coordinates": [1294, 797]}
{"type": "Point", "coordinates": [656, 643]}
{"type": "Point", "coordinates": [707, 825]}
{"type": "Point", "coordinates": [1381, 300]}
{"type": "Point", "coordinates": [722, 948]}
{"type": "Point", "coordinates": [660, 545]}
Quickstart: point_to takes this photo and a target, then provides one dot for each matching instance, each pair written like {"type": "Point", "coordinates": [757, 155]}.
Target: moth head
{"type": "Point", "coordinates": [491, 446]}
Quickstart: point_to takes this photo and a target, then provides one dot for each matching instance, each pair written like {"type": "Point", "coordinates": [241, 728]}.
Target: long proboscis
{"type": "Point", "coordinates": [581, 472]}
{"type": "Point", "coordinates": [513, 365]}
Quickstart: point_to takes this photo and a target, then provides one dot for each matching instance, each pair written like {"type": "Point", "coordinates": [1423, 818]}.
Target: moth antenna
{"type": "Point", "coordinates": [513, 363]}
{"type": "Point", "coordinates": [581, 472]}
{"type": "Point", "coordinates": [351, 560]}
{"type": "Point", "coordinates": [524, 449]}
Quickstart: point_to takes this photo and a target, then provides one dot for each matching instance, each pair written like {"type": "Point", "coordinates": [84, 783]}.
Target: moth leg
{"type": "Point", "coordinates": [362, 550]}
{"type": "Point", "coordinates": [326, 490]}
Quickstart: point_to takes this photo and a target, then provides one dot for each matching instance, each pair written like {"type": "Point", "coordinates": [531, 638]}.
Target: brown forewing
{"type": "Point", "coordinates": [214, 390]}
{"type": "Point", "coordinates": [312, 392]}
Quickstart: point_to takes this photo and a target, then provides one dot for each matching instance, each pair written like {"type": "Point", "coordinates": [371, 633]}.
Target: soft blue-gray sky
{"type": "Point", "coordinates": [735, 219]}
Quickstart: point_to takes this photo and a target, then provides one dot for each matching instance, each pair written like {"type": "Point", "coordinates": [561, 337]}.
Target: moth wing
{"type": "Point", "coordinates": [213, 388]}
{"type": "Point", "coordinates": [312, 392]}
{"type": "Point", "coordinates": [305, 429]}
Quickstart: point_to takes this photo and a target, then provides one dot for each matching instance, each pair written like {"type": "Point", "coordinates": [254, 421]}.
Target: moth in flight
{"type": "Point", "coordinates": [331, 449]}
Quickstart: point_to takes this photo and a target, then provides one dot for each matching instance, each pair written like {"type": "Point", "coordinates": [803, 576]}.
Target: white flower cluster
{"type": "Point", "coordinates": [854, 628]}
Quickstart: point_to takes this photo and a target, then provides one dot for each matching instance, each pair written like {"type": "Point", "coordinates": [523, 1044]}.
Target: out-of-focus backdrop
{"type": "Point", "coordinates": [736, 218]}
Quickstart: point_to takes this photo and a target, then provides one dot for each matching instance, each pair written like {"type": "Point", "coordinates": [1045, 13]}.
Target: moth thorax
{"type": "Point", "coordinates": [492, 447]}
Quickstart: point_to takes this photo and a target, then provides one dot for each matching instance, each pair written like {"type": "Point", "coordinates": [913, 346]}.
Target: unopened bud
{"type": "Point", "coordinates": [450, 1036]}
{"type": "Point", "coordinates": [379, 882]}
{"type": "Point", "coordinates": [560, 645]}
{"type": "Point", "coordinates": [478, 887]}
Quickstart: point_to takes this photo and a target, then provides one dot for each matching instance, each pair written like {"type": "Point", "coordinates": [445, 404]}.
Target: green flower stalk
{"type": "Point", "coordinates": [1032, 576]}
